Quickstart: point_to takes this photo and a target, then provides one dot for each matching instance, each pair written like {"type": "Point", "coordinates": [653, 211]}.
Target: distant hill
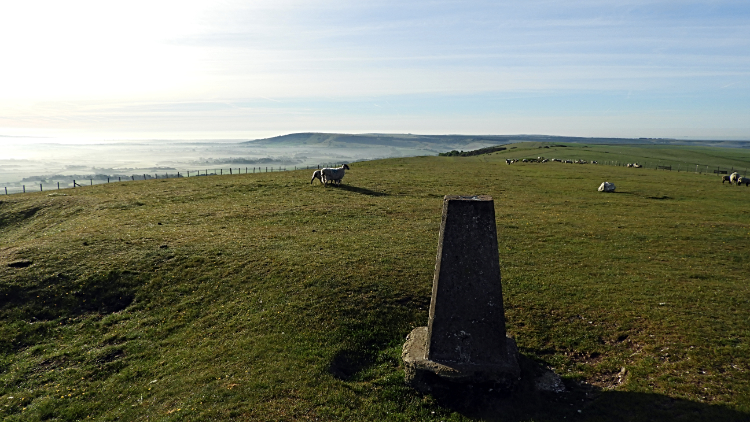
{"type": "Point", "coordinates": [382, 140]}
{"type": "Point", "coordinates": [449, 142]}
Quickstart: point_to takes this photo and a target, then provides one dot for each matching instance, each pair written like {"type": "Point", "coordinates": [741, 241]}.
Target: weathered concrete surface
{"type": "Point", "coordinates": [465, 340]}
{"type": "Point", "coordinates": [428, 375]}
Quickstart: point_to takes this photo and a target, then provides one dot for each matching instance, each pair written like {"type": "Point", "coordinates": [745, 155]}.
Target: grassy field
{"type": "Point", "coordinates": [692, 159]}
{"type": "Point", "coordinates": [262, 297]}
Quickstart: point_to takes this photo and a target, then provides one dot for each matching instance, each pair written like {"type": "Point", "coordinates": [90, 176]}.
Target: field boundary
{"type": "Point", "coordinates": [99, 179]}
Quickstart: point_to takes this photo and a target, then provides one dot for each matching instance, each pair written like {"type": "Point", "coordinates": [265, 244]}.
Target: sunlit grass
{"type": "Point", "coordinates": [264, 297]}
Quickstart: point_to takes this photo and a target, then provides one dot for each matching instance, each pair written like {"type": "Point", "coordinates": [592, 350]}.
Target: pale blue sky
{"type": "Point", "coordinates": [232, 69]}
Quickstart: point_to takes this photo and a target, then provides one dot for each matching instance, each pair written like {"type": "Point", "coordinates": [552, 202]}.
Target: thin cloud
{"type": "Point", "coordinates": [223, 64]}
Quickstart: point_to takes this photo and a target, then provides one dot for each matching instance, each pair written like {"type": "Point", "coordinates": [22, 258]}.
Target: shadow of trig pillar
{"type": "Point", "coordinates": [465, 340]}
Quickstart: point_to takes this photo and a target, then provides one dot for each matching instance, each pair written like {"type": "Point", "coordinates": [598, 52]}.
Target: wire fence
{"type": "Point", "coordinates": [100, 179]}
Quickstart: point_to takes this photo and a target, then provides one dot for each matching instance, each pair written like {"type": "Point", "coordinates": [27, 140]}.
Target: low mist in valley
{"type": "Point", "coordinates": [50, 163]}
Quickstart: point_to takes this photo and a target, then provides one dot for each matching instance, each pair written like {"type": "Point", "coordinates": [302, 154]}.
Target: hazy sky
{"type": "Point", "coordinates": [246, 69]}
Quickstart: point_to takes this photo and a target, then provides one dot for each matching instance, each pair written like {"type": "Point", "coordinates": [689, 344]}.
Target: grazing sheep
{"type": "Point", "coordinates": [733, 177]}
{"type": "Point", "coordinates": [725, 178]}
{"type": "Point", "coordinates": [317, 175]}
{"type": "Point", "coordinates": [636, 165]}
{"type": "Point", "coordinates": [607, 187]}
{"type": "Point", "coordinates": [333, 175]}
{"type": "Point", "coordinates": [743, 179]}
{"type": "Point", "coordinates": [630, 165]}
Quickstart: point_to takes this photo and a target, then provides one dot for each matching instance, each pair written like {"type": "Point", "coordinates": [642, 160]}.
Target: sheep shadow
{"type": "Point", "coordinates": [580, 402]}
{"type": "Point", "coordinates": [655, 197]}
{"type": "Point", "coordinates": [362, 191]}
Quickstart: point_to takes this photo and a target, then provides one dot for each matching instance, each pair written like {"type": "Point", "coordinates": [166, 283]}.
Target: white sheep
{"type": "Point", "coordinates": [317, 175]}
{"type": "Point", "coordinates": [607, 187]}
{"type": "Point", "coordinates": [733, 177]}
{"type": "Point", "coordinates": [334, 175]}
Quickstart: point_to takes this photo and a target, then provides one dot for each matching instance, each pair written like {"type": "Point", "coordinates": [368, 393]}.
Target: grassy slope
{"type": "Point", "coordinates": [650, 155]}
{"type": "Point", "coordinates": [263, 297]}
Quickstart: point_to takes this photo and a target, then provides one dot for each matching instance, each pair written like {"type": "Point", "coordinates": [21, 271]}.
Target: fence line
{"type": "Point", "coordinates": [179, 174]}
{"type": "Point", "coordinates": [699, 169]}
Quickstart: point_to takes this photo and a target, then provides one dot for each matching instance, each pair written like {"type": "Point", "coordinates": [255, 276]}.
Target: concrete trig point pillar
{"type": "Point", "coordinates": [465, 340]}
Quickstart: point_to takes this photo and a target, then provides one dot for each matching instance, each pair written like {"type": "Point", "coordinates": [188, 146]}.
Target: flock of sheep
{"type": "Point", "coordinates": [735, 179]}
{"type": "Point", "coordinates": [333, 175]}
{"type": "Point", "coordinates": [545, 160]}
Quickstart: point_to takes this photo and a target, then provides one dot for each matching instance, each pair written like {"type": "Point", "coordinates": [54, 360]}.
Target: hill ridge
{"type": "Point", "coordinates": [457, 140]}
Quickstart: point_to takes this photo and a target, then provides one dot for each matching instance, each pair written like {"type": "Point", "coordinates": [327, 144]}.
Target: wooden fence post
{"type": "Point", "coordinates": [58, 185]}
{"type": "Point", "coordinates": [6, 190]}
{"type": "Point", "coordinates": [24, 188]}
{"type": "Point", "coordinates": [40, 188]}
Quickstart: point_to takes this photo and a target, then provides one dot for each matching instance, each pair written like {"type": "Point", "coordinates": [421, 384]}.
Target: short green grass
{"type": "Point", "coordinates": [262, 297]}
{"type": "Point", "coordinates": [693, 159]}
